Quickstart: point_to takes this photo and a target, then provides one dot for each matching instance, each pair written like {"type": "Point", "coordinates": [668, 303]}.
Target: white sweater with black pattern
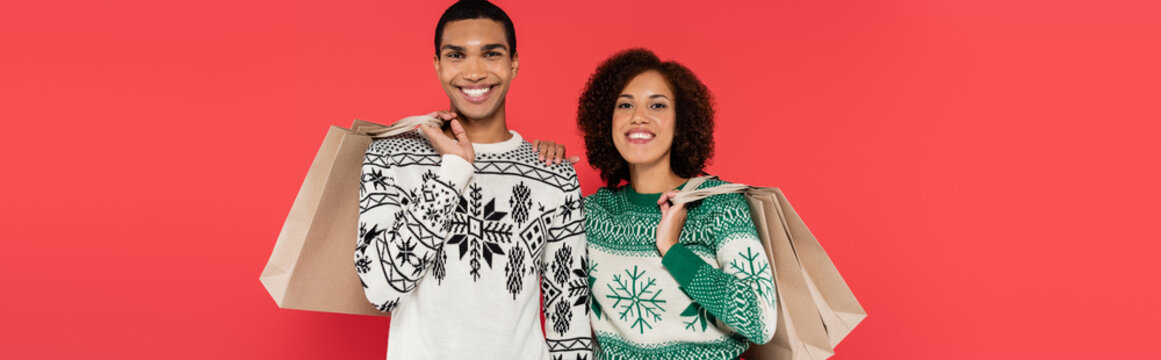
{"type": "Point", "coordinates": [461, 254]}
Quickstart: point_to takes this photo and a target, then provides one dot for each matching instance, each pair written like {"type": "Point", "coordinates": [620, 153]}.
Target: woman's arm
{"type": "Point", "coordinates": [740, 293]}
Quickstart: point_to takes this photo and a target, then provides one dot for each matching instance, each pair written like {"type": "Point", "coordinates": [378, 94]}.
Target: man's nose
{"type": "Point", "coordinates": [475, 70]}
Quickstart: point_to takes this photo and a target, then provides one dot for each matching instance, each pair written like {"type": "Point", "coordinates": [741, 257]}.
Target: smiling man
{"type": "Point", "coordinates": [461, 239]}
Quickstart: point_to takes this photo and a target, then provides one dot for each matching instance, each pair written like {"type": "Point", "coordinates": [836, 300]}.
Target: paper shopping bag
{"type": "Point", "coordinates": [312, 265]}
{"type": "Point", "coordinates": [815, 307]}
{"type": "Point", "coordinates": [837, 305]}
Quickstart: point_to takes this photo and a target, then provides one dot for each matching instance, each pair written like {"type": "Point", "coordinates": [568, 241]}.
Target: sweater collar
{"type": "Point", "coordinates": [499, 147]}
{"type": "Point", "coordinates": [647, 200]}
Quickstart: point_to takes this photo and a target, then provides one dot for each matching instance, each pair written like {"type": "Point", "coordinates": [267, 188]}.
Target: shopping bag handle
{"type": "Point", "coordinates": [405, 125]}
{"type": "Point", "coordinates": [690, 192]}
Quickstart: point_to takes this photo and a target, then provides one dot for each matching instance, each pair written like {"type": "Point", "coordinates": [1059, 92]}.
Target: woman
{"type": "Point", "coordinates": [667, 282]}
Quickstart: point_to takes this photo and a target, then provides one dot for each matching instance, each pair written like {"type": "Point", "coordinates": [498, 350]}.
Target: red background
{"type": "Point", "coordinates": [984, 173]}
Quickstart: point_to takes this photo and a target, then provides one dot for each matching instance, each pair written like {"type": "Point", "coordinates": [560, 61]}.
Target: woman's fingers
{"type": "Point", "coordinates": [573, 159]}
{"type": "Point", "coordinates": [535, 144]}
{"type": "Point", "coordinates": [663, 200]}
{"type": "Point", "coordinates": [559, 152]}
{"type": "Point", "coordinates": [546, 150]}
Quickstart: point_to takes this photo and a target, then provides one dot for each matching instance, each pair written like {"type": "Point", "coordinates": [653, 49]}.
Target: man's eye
{"type": "Point", "coordinates": [624, 106]}
{"type": "Point", "coordinates": [454, 55]}
{"type": "Point", "coordinates": [493, 54]}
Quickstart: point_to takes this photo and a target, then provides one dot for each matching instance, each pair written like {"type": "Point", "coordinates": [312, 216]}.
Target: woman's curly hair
{"type": "Point", "coordinates": [693, 138]}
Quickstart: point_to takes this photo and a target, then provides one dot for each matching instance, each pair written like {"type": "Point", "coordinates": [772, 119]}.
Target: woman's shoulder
{"type": "Point", "coordinates": [721, 202]}
{"type": "Point", "coordinates": [602, 198]}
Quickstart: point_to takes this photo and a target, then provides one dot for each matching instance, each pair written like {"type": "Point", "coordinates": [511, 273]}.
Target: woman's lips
{"type": "Point", "coordinates": [476, 94]}
{"type": "Point", "coordinates": [639, 136]}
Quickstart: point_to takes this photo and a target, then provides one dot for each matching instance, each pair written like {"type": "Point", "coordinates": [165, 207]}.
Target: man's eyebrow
{"type": "Point", "coordinates": [452, 47]}
{"type": "Point", "coordinates": [494, 46]}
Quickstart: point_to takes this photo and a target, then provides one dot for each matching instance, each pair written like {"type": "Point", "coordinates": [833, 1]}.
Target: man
{"type": "Point", "coordinates": [458, 238]}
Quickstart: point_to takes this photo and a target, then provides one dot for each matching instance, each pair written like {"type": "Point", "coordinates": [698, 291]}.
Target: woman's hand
{"type": "Point", "coordinates": [672, 220]}
{"type": "Point", "coordinates": [551, 152]}
{"type": "Point", "coordinates": [443, 144]}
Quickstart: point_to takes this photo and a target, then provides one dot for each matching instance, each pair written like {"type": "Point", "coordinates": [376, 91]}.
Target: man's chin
{"type": "Point", "coordinates": [476, 114]}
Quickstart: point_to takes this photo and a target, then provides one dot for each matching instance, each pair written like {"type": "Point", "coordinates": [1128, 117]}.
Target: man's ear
{"type": "Point", "coordinates": [515, 64]}
{"type": "Point", "coordinates": [435, 63]}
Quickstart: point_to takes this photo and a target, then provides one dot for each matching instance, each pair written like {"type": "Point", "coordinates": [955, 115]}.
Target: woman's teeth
{"type": "Point", "coordinates": [642, 136]}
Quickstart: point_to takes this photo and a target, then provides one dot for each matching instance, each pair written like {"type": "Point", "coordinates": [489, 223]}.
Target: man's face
{"type": "Point", "coordinates": [474, 66]}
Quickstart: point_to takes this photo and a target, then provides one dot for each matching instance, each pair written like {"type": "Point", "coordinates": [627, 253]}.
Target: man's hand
{"type": "Point", "coordinates": [551, 152]}
{"type": "Point", "coordinates": [444, 145]}
{"type": "Point", "coordinates": [672, 220]}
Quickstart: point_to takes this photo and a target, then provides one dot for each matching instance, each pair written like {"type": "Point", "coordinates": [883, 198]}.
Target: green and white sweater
{"type": "Point", "coordinates": [708, 298]}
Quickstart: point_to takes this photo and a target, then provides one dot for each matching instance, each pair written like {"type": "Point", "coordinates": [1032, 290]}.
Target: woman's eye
{"type": "Point", "coordinates": [624, 106]}
{"type": "Point", "coordinates": [658, 106]}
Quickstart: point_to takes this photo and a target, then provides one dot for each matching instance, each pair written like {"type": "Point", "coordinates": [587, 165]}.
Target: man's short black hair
{"type": "Point", "coordinates": [476, 9]}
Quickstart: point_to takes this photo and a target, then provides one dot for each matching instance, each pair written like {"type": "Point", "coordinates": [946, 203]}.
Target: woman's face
{"type": "Point", "coordinates": [643, 120]}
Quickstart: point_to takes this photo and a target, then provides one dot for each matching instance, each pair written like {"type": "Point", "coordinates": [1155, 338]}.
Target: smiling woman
{"type": "Point", "coordinates": [683, 104]}
{"type": "Point", "coordinates": [690, 289]}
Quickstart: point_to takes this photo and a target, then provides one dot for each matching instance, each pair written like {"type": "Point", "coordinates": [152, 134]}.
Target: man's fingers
{"type": "Point", "coordinates": [458, 130]}
{"type": "Point", "coordinates": [429, 132]}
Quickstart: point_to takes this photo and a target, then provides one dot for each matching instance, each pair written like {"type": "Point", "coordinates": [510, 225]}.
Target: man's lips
{"type": "Point", "coordinates": [476, 93]}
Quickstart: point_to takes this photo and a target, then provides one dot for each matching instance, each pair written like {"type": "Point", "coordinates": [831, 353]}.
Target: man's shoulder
{"type": "Point", "coordinates": [406, 143]}
{"type": "Point", "coordinates": [522, 161]}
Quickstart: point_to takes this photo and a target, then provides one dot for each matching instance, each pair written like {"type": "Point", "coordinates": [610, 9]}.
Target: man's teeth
{"type": "Point", "coordinates": [476, 92]}
{"type": "Point", "coordinates": [640, 135]}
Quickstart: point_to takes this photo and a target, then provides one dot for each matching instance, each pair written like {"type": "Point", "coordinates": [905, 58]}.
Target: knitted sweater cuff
{"type": "Point", "coordinates": [682, 264]}
{"type": "Point", "coordinates": [456, 171]}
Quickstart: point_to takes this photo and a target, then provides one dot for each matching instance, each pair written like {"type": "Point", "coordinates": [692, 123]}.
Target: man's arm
{"type": "Point", "coordinates": [402, 230]}
{"type": "Point", "coordinates": [565, 281]}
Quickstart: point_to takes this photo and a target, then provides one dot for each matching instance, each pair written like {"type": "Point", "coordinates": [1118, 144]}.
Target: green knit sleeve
{"type": "Point", "coordinates": [740, 291]}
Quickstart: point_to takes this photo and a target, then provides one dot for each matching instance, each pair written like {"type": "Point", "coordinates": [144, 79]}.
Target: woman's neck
{"type": "Point", "coordinates": [654, 178]}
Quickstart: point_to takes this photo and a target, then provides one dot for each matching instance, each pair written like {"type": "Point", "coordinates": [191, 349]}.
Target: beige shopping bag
{"type": "Point", "coordinates": [312, 265]}
{"type": "Point", "coordinates": [816, 309]}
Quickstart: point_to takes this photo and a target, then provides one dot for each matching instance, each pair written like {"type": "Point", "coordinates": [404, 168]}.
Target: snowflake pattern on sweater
{"type": "Point", "coordinates": [453, 249]}
{"type": "Point", "coordinates": [709, 297]}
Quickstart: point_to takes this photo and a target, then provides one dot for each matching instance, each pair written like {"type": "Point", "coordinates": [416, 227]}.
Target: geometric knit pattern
{"type": "Point", "coordinates": [463, 254]}
{"type": "Point", "coordinates": [710, 296]}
